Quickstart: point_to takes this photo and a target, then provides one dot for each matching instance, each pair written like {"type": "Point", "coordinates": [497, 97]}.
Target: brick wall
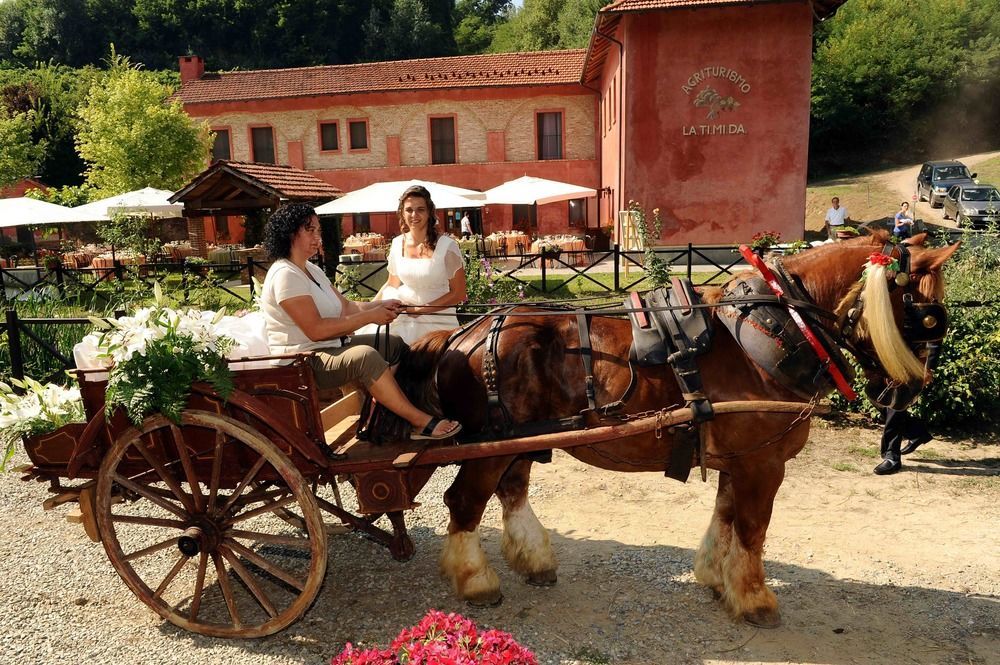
{"type": "Point", "coordinates": [475, 120]}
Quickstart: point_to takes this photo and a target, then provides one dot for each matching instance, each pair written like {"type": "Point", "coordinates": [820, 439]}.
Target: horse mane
{"type": "Point", "coordinates": [879, 324]}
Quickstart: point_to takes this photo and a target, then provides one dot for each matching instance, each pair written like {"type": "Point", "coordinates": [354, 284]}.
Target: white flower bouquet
{"type": "Point", "coordinates": [156, 354]}
{"type": "Point", "coordinates": [39, 409]}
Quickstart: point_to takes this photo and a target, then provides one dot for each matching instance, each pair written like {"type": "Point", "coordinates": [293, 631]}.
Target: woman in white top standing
{"type": "Point", "coordinates": [303, 312]}
{"type": "Point", "coordinates": [426, 271]}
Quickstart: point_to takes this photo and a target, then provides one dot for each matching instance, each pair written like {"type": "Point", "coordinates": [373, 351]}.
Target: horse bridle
{"type": "Point", "coordinates": [924, 326]}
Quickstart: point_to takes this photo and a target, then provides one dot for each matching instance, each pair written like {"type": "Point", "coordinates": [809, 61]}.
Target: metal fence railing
{"type": "Point", "coordinates": [619, 270]}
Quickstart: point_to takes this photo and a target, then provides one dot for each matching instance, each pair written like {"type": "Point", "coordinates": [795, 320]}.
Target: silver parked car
{"type": "Point", "coordinates": [973, 206]}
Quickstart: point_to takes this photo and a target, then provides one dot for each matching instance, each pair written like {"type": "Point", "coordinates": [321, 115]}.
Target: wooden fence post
{"type": "Point", "coordinates": [617, 256]}
{"type": "Point", "coordinates": [14, 344]}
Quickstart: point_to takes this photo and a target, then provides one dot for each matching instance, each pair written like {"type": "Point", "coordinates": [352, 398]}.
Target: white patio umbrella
{"type": "Point", "coordinates": [23, 210]}
{"type": "Point", "coordinates": [384, 197]}
{"type": "Point", "coordinates": [146, 200]}
{"type": "Point", "coordinates": [528, 190]}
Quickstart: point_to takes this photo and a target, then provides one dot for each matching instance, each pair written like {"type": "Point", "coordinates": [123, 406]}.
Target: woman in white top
{"type": "Point", "coordinates": [426, 271]}
{"type": "Point", "coordinates": [303, 312]}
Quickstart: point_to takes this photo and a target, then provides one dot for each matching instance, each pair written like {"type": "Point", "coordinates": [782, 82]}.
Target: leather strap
{"type": "Point", "coordinates": [492, 379]}
{"type": "Point", "coordinates": [839, 380]}
{"type": "Point", "coordinates": [587, 356]}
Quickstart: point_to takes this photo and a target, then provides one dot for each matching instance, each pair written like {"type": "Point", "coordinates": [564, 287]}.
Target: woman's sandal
{"type": "Point", "coordinates": [428, 431]}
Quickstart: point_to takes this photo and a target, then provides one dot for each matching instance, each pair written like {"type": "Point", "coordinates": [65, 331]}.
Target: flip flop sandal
{"type": "Point", "coordinates": [428, 431]}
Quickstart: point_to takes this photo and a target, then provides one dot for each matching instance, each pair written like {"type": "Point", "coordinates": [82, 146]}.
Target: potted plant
{"type": "Point", "coordinates": [35, 412]}
{"type": "Point", "coordinates": [157, 353]}
{"type": "Point", "coordinates": [847, 232]}
{"type": "Point", "coordinates": [196, 265]}
{"type": "Point", "coordinates": [763, 241]}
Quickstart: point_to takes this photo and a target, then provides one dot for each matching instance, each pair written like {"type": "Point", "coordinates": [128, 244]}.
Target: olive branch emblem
{"type": "Point", "coordinates": [715, 102]}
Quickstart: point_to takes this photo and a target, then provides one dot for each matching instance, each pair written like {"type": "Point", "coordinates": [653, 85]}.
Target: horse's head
{"type": "Point", "coordinates": [890, 311]}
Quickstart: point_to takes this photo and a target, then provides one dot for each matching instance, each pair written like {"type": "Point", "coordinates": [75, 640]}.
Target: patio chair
{"type": "Point", "coordinates": [502, 247]}
{"type": "Point", "coordinates": [588, 245]}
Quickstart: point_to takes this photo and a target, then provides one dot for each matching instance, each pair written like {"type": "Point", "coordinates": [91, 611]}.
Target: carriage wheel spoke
{"type": "Point", "coordinates": [213, 488]}
{"type": "Point", "coordinates": [144, 492]}
{"type": "Point", "coordinates": [149, 521]}
{"type": "Point", "coordinates": [170, 576]}
{"type": "Point", "coordinates": [268, 507]}
{"type": "Point", "coordinates": [199, 586]}
{"type": "Point", "coordinates": [251, 583]}
{"type": "Point", "coordinates": [291, 541]}
{"type": "Point", "coordinates": [166, 476]}
{"type": "Point", "coordinates": [227, 589]}
{"type": "Point", "coordinates": [260, 494]}
{"type": "Point", "coordinates": [185, 458]}
{"type": "Point", "coordinates": [247, 479]}
{"type": "Point", "coordinates": [261, 562]}
{"type": "Point", "coordinates": [145, 551]}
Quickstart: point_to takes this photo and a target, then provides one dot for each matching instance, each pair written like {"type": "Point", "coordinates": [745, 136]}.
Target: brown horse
{"type": "Point", "coordinates": [541, 377]}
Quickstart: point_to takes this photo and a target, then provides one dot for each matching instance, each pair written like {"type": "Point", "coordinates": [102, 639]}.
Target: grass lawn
{"type": "Point", "coordinates": [865, 197]}
{"type": "Point", "coordinates": [989, 172]}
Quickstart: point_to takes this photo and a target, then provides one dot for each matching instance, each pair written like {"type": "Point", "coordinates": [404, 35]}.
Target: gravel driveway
{"type": "Point", "coordinates": [867, 569]}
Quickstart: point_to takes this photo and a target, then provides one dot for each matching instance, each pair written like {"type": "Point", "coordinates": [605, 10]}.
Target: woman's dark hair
{"type": "Point", "coordinates": [282, 226]}
{"type": "Point", "coordinates": [432, 231]}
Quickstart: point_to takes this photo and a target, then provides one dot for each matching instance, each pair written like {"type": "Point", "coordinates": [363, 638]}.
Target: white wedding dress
{"type": "Point", "coordinates": [423, 280]}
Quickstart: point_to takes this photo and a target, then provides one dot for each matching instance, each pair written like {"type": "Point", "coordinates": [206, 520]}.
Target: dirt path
{"type": "Point", "coordinates": [903, 182]}
{"type": "Point", "coordinates": [868, 569]}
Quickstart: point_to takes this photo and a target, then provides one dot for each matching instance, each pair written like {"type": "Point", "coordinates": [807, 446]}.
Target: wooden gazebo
{"type": "Point", "coordinates": [245, 189]}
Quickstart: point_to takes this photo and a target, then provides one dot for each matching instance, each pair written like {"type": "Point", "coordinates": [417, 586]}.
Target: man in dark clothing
{"type": "Point", "coordinates": [900, 425]}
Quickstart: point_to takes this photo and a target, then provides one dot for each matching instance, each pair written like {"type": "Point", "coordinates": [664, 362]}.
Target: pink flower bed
{"type": "Point", "coordinates": [442, 639]}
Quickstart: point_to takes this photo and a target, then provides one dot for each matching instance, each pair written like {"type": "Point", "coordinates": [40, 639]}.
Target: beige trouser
{"type": "Point", "coordinates": [364, 359]}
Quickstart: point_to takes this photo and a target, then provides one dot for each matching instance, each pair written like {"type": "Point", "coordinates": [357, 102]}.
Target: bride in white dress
{"type": "Point", "coordinates": [426, 271]}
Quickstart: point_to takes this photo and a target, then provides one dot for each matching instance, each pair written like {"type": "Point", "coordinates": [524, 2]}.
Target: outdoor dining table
{"type": "Point", "coordinates": [566, 245]}
{"type": "Point", "coordinates": [104, 264]}
{"type": "Point", "coordinates": [509, 243]}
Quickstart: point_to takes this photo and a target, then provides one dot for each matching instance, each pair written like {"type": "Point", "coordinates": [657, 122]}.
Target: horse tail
{"type": "Point", "coordinates": [416, 376]}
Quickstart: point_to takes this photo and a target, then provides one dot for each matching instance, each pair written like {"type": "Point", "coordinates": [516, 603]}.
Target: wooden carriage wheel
{"type": "Point", "coordinates": [210, 556]}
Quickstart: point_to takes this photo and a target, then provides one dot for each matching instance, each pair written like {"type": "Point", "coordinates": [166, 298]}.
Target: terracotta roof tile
{"type": "Point", "coordinates": [284, 182]}
{"type": "Point", "coordinates": [469, 71]}
{"type": "Point", "coordinates": [823, 8]}
{"type": "Point", "coordinates": [293, 183]}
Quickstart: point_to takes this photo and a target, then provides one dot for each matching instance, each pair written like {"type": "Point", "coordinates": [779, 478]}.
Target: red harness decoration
{"type": "Point", "coordinates": [839, 380]}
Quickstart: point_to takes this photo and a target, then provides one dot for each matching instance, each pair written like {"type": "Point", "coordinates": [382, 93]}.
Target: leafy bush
{"type": "Point", "coordinates": [657, 270]}
{"type": "Point", "coordinates": [484, 285]}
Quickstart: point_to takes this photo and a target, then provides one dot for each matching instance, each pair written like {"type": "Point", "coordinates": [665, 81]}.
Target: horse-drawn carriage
{"type": "Point", "coordinates": [216, 521]}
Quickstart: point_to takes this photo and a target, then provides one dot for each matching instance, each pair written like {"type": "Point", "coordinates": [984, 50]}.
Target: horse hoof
{"type": "Point", "coordinates": [485, 601]}
{"type": "Point", "coordinates": [763, 618]}
{"type": "Point", "coordinates": [542, 578]}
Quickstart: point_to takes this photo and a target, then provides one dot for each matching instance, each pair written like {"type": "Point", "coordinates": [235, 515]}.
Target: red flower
{"type": "Point", "coordinates": [443, 639]}
{"type": "Point", "coordinates": [880, 259]}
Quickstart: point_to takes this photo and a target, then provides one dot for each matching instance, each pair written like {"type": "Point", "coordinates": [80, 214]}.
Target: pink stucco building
{"type": "Point", "coordinates": [697, 107]}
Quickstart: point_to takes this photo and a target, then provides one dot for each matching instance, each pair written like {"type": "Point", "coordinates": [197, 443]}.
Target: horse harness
{"type": "Point", "coordinates": [770, 315]}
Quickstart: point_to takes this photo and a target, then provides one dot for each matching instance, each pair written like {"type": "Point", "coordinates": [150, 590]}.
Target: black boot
{"type": "Point", "coordinates": [915, 443]}
{"type": "Point", "coordinates": [888, 466]}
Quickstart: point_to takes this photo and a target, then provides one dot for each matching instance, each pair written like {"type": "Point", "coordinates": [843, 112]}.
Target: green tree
{"type": "Point", "coordinates": [476, 23]}
{"type": "Point", "coordinates": [541, 25]}
{"type": "Point", "coordinates": [896, 79]}
{"type": "Point", "coordinates": [53, 93]}
{"type": "Point", "coordinates": [19, 154]}
{"type": "Point", "coordinates": [401, 30]}
{"type": "Point", "coordinates": [132, 136]}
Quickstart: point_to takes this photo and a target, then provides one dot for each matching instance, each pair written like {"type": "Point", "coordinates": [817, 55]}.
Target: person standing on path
{"type": "Point", "coordinates": [835, 218]}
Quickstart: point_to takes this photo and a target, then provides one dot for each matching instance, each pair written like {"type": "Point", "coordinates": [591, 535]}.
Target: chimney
{"type": "Point", "coordinates": [192, 68]}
